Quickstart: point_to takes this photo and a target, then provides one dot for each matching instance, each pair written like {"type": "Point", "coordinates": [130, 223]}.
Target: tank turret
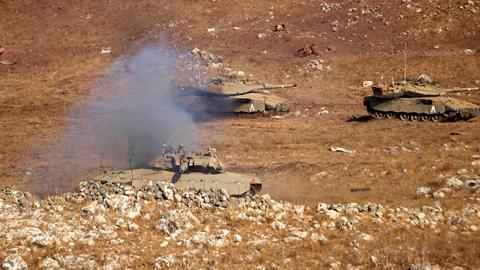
{"type": "Point", "coordinates": [219, 88]}
{"type": "Point", "coordinates": [412, 89]}
{"type": "Point", "coordinates": [185, 161]}
{"type": "Point", "coordinates": [414, 100]}
{"type": "Point", "coordinates": [233, 97]}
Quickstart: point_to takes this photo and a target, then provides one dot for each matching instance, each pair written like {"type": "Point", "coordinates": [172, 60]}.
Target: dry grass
{"type": "Point", "coordinates": [56, 69]}
{"type": "Point", "coordinates": [400, 249]}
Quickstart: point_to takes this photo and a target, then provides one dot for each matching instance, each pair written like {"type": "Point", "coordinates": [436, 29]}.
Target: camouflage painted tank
{"type": "Point", "coordinates": [418, 102]}
{"type": "Point", "coordinates": [187, 170]}
{"type": "Point", "coordinates": [233, 97]}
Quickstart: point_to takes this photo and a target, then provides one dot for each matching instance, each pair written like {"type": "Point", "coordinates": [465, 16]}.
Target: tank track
{"type": "Point", "coordinates": [207, 116]}
{"type": "Point", "coordinates": [410, 116]}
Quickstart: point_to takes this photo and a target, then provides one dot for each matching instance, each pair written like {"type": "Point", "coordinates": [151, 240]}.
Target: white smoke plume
{"type": "Point", "coordinates": [124, 121]}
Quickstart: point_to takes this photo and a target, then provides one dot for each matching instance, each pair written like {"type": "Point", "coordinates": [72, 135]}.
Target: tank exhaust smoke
{"type": "Point", "coordinates": [127, 116]}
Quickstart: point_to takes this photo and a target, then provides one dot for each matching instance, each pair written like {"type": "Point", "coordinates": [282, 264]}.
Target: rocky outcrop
{"type": "Point", "coordinates": [162, 227]}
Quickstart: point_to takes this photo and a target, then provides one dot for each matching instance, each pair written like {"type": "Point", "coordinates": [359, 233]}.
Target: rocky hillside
{"type": "Point", "coordinates": [404, 196]}
{"type": "Point", "coordinates": [115, 227]}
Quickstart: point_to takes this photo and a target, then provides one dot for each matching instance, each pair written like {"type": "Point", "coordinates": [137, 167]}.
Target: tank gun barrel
{"type": "Point", "coordinates": [276, 86]}
{"type": "Point", "coordinates": [459, 89]}
{"type": "Point", "coordinates": [183, 167]}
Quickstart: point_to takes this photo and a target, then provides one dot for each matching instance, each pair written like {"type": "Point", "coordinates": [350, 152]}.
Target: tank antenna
{"type": "Point", "coordinates": [131, 171]}
{"type": "Point", "coordinates": [172, 137]}
{"type": "Point", "coordinates": [405, 62]}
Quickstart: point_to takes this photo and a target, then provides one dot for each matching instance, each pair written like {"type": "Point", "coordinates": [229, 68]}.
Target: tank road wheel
{"type": "Point", "coordinates": [390, 115]}
{"type": "Point", "coordinates": [380, 115]}
{"type": "Point", "coordinates": [377, 115]}
{"type": "Point", "coordinates": [437, 118]}
{"type": "Point", "coordinates": [403, 116]}
{"type": "Point", "coordinates": [414, 117]}
{"type": "Point", "coordinates": [424, 117]}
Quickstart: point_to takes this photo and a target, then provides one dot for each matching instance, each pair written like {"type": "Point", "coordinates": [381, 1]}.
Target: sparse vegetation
{"type": "Point", "coordinates": [57, 47]}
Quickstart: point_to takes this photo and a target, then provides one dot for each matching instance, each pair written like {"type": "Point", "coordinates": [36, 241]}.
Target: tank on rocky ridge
{"type": "Point", "coordinates": [185, 161]}
{"type": "Point", "coordinates": [187, 170]}
{"type": "Point", "coordinates": [233, 97]}
{"type": "Point", "coordinates": [418, 101]}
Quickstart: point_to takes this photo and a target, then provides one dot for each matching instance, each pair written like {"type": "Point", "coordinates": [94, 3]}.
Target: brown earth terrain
{"type": "Point", "coordinates": [57, 48]}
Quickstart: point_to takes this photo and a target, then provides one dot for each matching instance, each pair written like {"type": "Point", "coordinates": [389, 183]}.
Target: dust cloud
{"type": "Point", "coordinates": [127, 116]}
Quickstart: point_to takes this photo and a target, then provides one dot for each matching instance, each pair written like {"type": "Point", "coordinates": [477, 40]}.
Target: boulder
{"type": "Point", "coordinates": [14, 262]}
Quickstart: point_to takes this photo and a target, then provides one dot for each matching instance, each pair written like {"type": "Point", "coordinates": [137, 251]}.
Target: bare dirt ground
{"type": "Point", "coordinates": [58, 52]}
{"type": "Point", "coordinates": [57, 49]}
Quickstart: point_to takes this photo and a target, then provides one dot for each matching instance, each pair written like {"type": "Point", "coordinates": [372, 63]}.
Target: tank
{"type": "Point", "coordinates": [187, 170]}
{"type": "Point", "coordinates": [233, 97]}
{"type": "Point", "coordinates": [415, 101]}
